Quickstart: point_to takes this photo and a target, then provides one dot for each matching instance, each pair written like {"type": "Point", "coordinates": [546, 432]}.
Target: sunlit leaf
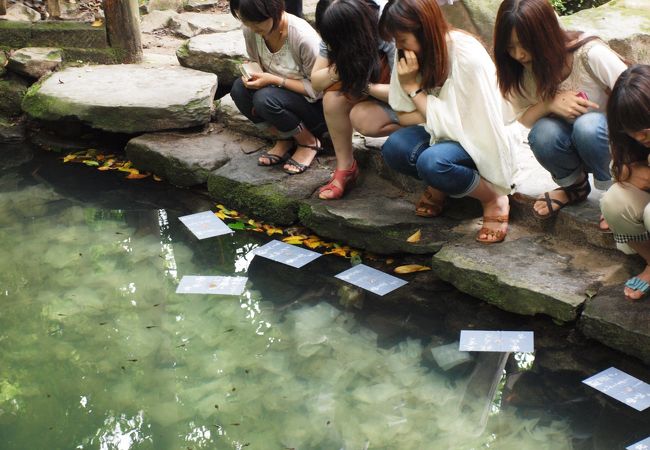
{"type": "Point", "coordinates": [294, 240]}
{"type": "Point", "coordinates": [390, 261]}
{"type": "Point", "coordinates": [313, 242]}
{"type": "Point", "coordinates": [337, 251]}
{"type": "Point", "coordinates": [220, 215]}
{"type": "Point", "coordinates": [271, 230]}
{"type": "Point", "coordinates": [415, 237]}
{"type": "Point", "coordinates": [137, 176]}
{"type": "Point", "coordinates": [237, 226]}
{"type": "Point", "coordinates": [97, 23]}
{"type": "Point", "coordinates": [91, 163]}
{"type": "Point", "coordinates": [410, 268]}
{"type": "Point", "coordinates": [157, 178]}
{"type": "Point", "coordinates": [68, 158]}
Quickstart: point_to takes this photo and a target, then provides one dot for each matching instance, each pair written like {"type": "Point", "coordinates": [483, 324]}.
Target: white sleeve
{"type": "Point", "coordinates": [398, 100]}
{"type": "Point", "coordinates": [606, 64]}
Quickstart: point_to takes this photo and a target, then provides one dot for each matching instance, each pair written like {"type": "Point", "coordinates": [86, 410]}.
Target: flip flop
{"type": "Point", "coordinates": [637, 284]}
{"type": "Point", "coordinates": [428, 205]}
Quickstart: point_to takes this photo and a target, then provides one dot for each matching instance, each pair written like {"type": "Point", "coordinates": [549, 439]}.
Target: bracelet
{"type": "Point", "coordinates": [415, 93]}
{"type": "Point", "coordinates": [283, 82]}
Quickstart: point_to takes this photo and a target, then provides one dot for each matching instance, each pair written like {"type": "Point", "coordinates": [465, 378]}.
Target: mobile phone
{"type": "Point", "coordinates": [248, 69]}
{"type": "Point", "coordinates": [582, 95]}
{"type": "Point", "coordinates": [400, 54]}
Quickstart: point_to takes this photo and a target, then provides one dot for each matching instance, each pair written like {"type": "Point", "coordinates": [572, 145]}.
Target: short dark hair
{"type": "Point", "coordinates": [349, 29]}
{"type": "Point", "coordinates": [257, 10]}
{"type": "Point", "coordinates": [628, 110]}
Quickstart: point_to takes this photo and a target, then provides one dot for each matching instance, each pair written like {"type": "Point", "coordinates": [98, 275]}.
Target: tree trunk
{"type": "Point", "coordinates": [54, 8]}
{"type": "Point", "coordinates": [123, 28]}
{"type": "Point", "coordinates": [3, 7]}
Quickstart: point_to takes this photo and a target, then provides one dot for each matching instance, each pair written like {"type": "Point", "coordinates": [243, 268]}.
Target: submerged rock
{"type": "Point", "coordinates": [35, 62]}
{"type": "Point", "coordinates": [125, 98]}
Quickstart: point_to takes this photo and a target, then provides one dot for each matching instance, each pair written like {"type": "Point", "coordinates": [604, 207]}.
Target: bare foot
{"type": "Point", "coordinates": [602, 224]}
{"type": "Point", "coordinates": [280, 148]}
{"type": "Point", "coordinates": [498, 207]}
{"type": "Point", "coordinates": [303, 155]}
{"type": "Point", "coordinates": [633, 294]}
{"type": "Point", "coordinates": [541, 207]}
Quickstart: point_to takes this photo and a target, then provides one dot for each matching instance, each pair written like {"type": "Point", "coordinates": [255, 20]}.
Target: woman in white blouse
{"type": "Point", "coordinates": [445, 92]}
{"type": "Point", "coordinates": [558, 83]}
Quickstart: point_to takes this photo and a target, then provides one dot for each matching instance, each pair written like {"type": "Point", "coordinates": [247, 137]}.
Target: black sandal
{"type": "Point", "coordinates": [274, 159]}
{"type": "Point", "coordinates": [576, 193]}
{"type": "Point", "coordinates": [300, 166]}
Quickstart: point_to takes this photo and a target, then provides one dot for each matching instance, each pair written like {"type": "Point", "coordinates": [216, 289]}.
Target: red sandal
{"type": "Point", "coordinates": [345, 178]}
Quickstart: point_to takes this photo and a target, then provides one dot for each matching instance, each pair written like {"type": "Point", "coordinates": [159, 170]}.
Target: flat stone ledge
{"type": "Point", "coordinates": [188, 159]}
{"type": "Point", "coordinates": [528, 275]}
{"type": "Point", "coordinates": [125, 98]}
{"type": "Point", "coordinates": [218, 53]}
{"type": "Point", "coordinates": [618, 323]}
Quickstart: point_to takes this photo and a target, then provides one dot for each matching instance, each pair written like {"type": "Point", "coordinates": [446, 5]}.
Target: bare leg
{"type": "Point", "coordinates": [540, 205]}
{"type": "Point", "coordinates": [643, 249]}
{"type": "Point", "coordinates": [370, 119]}
{"type": "Point", "coordinates": [493, 204]}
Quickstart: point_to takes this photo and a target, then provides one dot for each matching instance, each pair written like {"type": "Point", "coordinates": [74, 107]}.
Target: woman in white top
{"type": "Point", "coordinates": [558, 84]}
{"type": "Point", "coordinates": [445, 92]}
{"type": "Point", "coordinates": [280, 97]}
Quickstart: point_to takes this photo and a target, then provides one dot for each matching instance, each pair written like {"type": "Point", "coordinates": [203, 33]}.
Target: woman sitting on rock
{"type": "Point", "coordinates": [353, 69]}
{"type": "Point", "coordinates": [281, 97]}
{"type": "Point", "coordinates": [558, 84]}
{"type": "Point", "coordinates": [444, 90]}
{"type": "Point", "coordinates": [626, 205]}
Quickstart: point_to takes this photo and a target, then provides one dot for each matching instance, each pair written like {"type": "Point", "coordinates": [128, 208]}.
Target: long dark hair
{"type": "Point", "coordinates": [424, 19]}
{"type": "Point", "coordinates": [539, 32]}
{"type": "Point", "coordinates": [257, 10]}
{"type": "Point", "coordinates": [349, 29]}
{"type": "Point", "coordinates": [628, 110]}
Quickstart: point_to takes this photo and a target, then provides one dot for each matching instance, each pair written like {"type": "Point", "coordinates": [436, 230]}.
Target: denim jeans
{"type": "Point", "coordinates": [281, 108]}
{"type": "Point", "coordinates": [445, 166]}
{"type": "Point", "coordinates": [568, 150]}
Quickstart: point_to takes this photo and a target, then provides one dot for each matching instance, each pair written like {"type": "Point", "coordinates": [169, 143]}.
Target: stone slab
{"type": "Point", "coordinates": [125, 98]}
{"type": "Point", "coordinates": [198, 5]}
{"type": "Point", "coordinates": [186, 159]}
{"type": "Point", "coordinates": [21, 13]}
{"type": "Point", "coordinates": [229, 115]}
{"type": "Point", "coordinates": [529, 274]}
{"type": "Point", "coordinates": [52, 34]}
{"type": "Point", "coordinates": [618, 323]}
{"type": "Point", "coordinates": [35, 62]}
{"type": "Point", "coordinates": [218, 53]}
{"type": "Point", "coordinates": [193, 24]}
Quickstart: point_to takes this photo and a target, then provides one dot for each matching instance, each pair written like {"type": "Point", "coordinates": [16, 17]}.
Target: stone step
{"type": "Point", "coordinates": [125, 98]}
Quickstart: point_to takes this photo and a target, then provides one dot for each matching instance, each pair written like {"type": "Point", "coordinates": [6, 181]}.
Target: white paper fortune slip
{"type": "Point", "coordinates": [643, 445]}
{"type": "Point", "coordinates": [205, 225]}
{"type": "Point", "coordinates": [286, 253]}
{"type": "Point", "coordinates": [496, 341]}
{"type": "Point", "coordinates": [622, 387]}
{"type": "Point", "coordinates": [196, 284]}
{"type": "Point", "coordinates": [370, 279]}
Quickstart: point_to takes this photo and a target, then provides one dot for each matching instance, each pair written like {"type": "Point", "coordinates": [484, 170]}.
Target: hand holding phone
{"type": "Point", "coordinates": [400, 54]}
{"type": "Point", "coordinates": [248, 69]}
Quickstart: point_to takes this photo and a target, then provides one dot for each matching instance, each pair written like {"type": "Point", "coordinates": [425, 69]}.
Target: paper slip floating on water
{"type": "Point", "coordinates": [622, 387]}
{"type": "Point", "coordinates": [642, 445]}
{"type": "Point", "coordinates": [370, 279]}
{"type": "Point", "coordinates": [286, 254]}
{"type": "Point", "coordinates": [197, 284]}
{"type": "Point", "coordinates": [205, 225]}
{"type": "Point", "coordinates": [496, 341]}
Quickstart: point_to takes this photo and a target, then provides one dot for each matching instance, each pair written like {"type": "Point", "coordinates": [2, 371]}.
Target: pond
{"type": "Point", "coordinates": [97, 351]}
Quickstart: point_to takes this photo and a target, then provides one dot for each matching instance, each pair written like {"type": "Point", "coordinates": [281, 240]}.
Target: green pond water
{"type": "Point", "coordinates": [98, 352]}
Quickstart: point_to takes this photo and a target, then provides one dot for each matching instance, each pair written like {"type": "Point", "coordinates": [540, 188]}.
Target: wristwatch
{"type": "Point", "coordinates": [414, 93]}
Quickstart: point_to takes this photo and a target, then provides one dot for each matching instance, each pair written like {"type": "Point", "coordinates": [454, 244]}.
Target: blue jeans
{"type": "Point", "coordinates": [281, 108]}
{"type": "Point", "coordinates": [568, 150]}
{"type": "Point", "coordinates": [445, 166]}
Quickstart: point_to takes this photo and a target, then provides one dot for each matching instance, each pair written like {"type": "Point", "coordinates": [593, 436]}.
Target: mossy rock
{"type": "Point", "coordinates": [3, 63]}
{"type": "Point", "coordinates": [12, 92]}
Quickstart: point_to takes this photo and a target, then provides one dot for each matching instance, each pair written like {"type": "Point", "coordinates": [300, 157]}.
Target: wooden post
{"type": "Point", "coordinates": [3, 7]}
{"type": "Point", "coordinates": [123, 28]}
{"type": "Point", "coordinates": [54, 8]}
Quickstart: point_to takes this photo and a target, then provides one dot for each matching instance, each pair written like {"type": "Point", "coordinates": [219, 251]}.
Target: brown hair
{"type": "Point", "coordinates": [628, 110]}
{"type": "Point", "coordinates": [424, 19]}
{"type": "Point", "coordinates": [257, 10]}
{"type": "Point", "coordinates": [539, 32]}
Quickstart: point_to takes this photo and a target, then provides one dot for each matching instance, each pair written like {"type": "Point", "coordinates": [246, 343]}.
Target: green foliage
{"type": "Point", "coordinates": [567, 7]}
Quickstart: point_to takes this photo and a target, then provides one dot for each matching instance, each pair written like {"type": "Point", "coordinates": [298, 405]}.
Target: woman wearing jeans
{"type": "Point", "coordinates": [558, 84]}
{"type": "Point", "coordinates": [446, 80]}
{"type": "Point", "coordinates": [281, 97]}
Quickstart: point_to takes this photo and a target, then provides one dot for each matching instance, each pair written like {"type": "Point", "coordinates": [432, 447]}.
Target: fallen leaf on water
{"type": "Point", "coordinates": [410, 268]}
{"type": "Point", "coordinates": [390, 261]}
{"type": "Point", "coordinates": [220, 215]}
{"type": "Point", "coordinates": [294, 240]}
{"type": "Point", "coordinates": [415, 237]}
{"type": "Point", "coordinates": [337, 251]}
{"type": "Point", "coordinates": [271, 230]}
{"type": "Point", "coordinates": [69, 158]}
{"type": "Point", "coordinates": [137, 176]}
{"type": "Point", "coordinates": [157, 178]}
{"type": "Point", "coordinates": [91, 163]}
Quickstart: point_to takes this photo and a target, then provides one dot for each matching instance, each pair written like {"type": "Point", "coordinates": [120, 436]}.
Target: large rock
{"type": "Point", "coordinates": [618, 323]}
{"type": "Point", "coordinates": [12, 91]}
{"type": "Point", "coordinates": [624, 24]}
{"type": "Point", "coordinates": [125, 98]}
{"type": "Point", "coordinates": [474, 16]}
{"type": "Point", "coordinates": [192, 24]}
{"type": "Point", "coordinates": [156, 20]}
{"type": "Point", "coordinates": [229, 114]}
{"type": "Point", "coordinates": [35, 62]}
{"type": "Point", "coordinates": [529, 274]}
{"type": "Point", "coordinates": [187, 159]}
{"type": "Point", "coordinates": [21, 13]}
{"type": "Point", "coordinates": [163, 5]}
{"type": "Point", "coordinates": [219, 53]}
{"type": "Point", "coordinates": [198, 5]}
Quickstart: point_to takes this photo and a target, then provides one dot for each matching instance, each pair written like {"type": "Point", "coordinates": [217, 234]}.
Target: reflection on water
{"type": "Point", "coordinates": [98, 352]}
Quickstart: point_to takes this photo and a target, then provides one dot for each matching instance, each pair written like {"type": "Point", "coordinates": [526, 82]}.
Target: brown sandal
{"type": "Point", "coordinates": [496, 235]}
{"type": "Point", "coordinates": [429, 205]}
{"type": "Point", "coordinates": [345, 177]}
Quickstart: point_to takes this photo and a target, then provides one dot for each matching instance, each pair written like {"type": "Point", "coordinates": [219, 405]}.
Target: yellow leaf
{"type": "Point", "coordinates": [415, 237]}
{"type": "Point", "coordinates": [273, 230]}
{"type": "Point", "coordinates": [97, 23]}
{"type": "Point", "coordinates": [313, 243]}
{"type": "Point", "coordinates": [410, 268]}
{"type": "Point", "coordinates": [294, 240]}
{"type": "Point", "coordinates": [337, 251]}
{"type": "Point", "coordinates": [69, 158]}
{"type": "Point", "coordinates": [390, 261]}
{"type": "Point", "coordinates": [157, 178]}
{"type": "Point", "coordinates": [137, 176]}
{"type": "Point", "coordinates": [221, 207]}
{"type": "Point", "coordinates": [103, 168]}
{"type": "Point", "coordinates": [220, 215]}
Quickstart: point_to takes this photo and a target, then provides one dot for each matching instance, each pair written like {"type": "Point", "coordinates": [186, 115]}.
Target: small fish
{"type": "Point", "coordinates": [103, 323]}
{"type": "Point", "coordinates": [132, 360]}
{"type": "Point", "coordinates": [235, 424]}
{"type": "Point", "coordinates": [148, 327]}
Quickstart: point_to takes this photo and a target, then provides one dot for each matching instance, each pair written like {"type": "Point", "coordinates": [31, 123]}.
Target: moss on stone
{"type": "Point", "coordinates": [183, 51]}
{"type": "Point", "coordinates": [12, 91]}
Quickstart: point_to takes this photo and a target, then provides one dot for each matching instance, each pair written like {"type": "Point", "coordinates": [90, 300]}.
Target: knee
{"type": "Point", "coordinates": [590, 126]}
{"type": "Point", "coordinates": [334, 102]}
{"type": "Point", "coordinates": [361, 122]}
{"type": "Point", "coordinates": [391, 149]}
{"type": "Point", "coordinates": [544, 136]}
{"type": "Point", "coordinates": [264, 100]}
{"type": "Point", "coordinates": [431, 164]}
{"type": "Point", "coordinates": [618, 202]}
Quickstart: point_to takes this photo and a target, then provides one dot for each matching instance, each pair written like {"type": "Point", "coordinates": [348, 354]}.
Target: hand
{"type": "Point", "coordinates": [261, 80]}
{"type": "Point", "coordinates": [639, 175]}
{"type": "Point", "coordinates": [407, 71]}
{"type": "Point", "coordinates": [569, 106]}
